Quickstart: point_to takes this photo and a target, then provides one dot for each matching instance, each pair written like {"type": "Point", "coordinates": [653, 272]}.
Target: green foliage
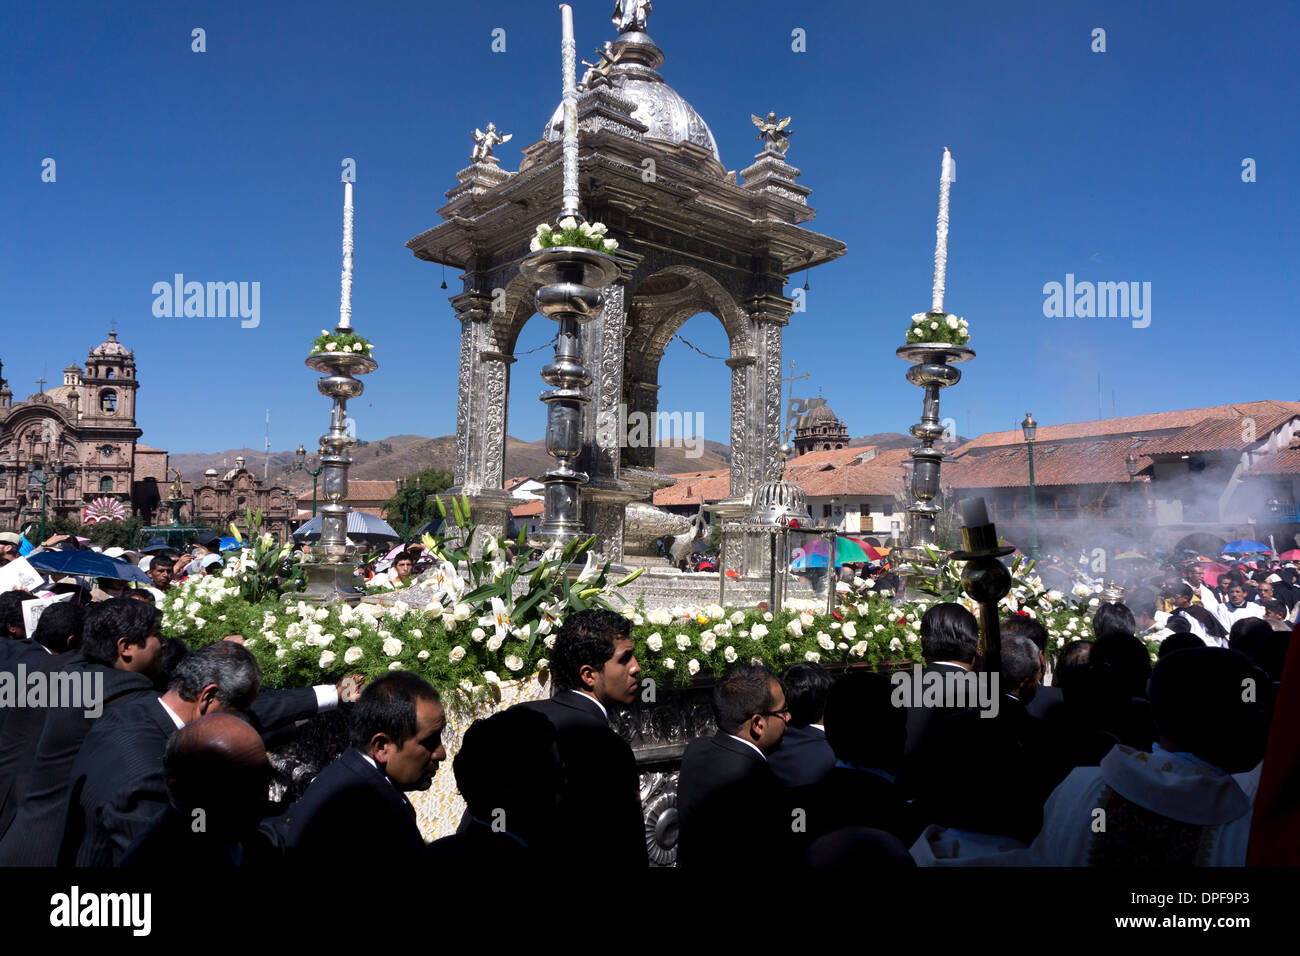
{"type": "Point", "coordinates": [570, 232]}
{"type": "Point", "coordinates": [264, 569]}
{"type": "Point", "coordinates": [415, 502]}
{"type": "Point", "coordinates": [342, 342]}
{"type": "Point", "coordinates": [938, 327]}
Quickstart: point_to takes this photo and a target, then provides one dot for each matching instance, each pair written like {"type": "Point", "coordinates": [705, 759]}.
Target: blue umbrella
{"type": "Point", "coordinates": [360, 524]}
{"type": "Point", "coordinates": [228, 544]}
{"type": "Point", "coordinates": [89, 564]}
{"type": "Point", "coordinates": [1245, 547]}
{"type": "Point", "coordinates": [805, 561]}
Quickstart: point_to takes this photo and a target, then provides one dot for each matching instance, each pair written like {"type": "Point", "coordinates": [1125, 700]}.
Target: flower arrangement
{"type": "Point", "coordinates": [341, 342]}
{"type": "Point", "coordinates": [570, 232]}
{"type": "Point", "coordinates": [263, 570]}
{"type": "Point", "coordinates": [938, 327]}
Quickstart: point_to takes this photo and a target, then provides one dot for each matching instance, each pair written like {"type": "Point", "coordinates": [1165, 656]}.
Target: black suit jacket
{"type": "Point", "coordinates": [20, 727]}
{"type": "Point", "coordinates": [601, 820]}
{"type": "Point", "coordinates": [352, 813]}
{"type": "Point", "coordinates": [118, 784]}
{"type": "Point", "coordinates": [36, 833]}
{"type": "Point", "coordinates": [803, 758]}
{"type": "Point", "coordinates": [851, 797]}
{"type": "Point", "coordinates": [734, 815]}
{"type": "Point", "coordinates": [169, 842]}
{"type": "Point", "coordinates": [921, 720]}
{"type": "Point", "coordinates": [477, 848]}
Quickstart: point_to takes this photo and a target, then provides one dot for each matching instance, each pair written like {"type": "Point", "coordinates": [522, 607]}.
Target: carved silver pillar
{"type": "Point", "coordinates": [571, 278]}
{"type": "Point", "coordinates": [932, 369]}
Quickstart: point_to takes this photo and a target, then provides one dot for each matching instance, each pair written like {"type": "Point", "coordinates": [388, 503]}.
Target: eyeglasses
{"type": "Point", "coordinates": [784, 713]}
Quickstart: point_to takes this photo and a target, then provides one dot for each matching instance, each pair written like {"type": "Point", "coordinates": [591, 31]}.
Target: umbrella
{"type": "Point", "coordinates": [1245, 547]}
{"type": "Point", "coordinates": [847, 551]}
{"type": "Point", "coordinates": [429, 527]}
{"type": "Point", "coordinates": [872, 551]}
{"type": "Point", "coordinates": [1292, 555]}
{"type": "Point", "coordinates": [228, 544]}
{"type": "Point", "coordinates": [86, 564]}
{"type": "Point", "coordinates": [1212, 571]}
{"type": "Point", "coordinates": [360, 525]}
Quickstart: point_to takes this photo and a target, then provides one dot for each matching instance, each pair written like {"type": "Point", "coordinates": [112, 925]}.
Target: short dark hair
{"type": "Point", "coordinates": [1142, 602]}
{"type": "Point", "coordinates": [862, 725]}
{"type": "Point", "coordinates": [387, 706]}
{"type": "Point", "coordinates": [1070, 663]}
{"type": "Point", "coordinates": [11, 608]}
{"type": "Point", "coordinates": [507, 758]}
{"type": "Point", "coordinates": [1022, 625]}
{"type": "Point", "coordinates": [1275, 607]}
{"type": "Point", "coordinates": [109, 621]}
{"type": "Point", "coordinates": [949, 632]}
{"type": "Point", "coordinates": [806, 688]}
{"type": "Point", "coordinates": [1020, 660]}
{"type": "Point", "coordinates": [586, 639]}
{"type": "Point", "coordinates": [228, 665]}
{"type": "Point", "coordinates": [1114, 619]}
{"type": "Point", "coordinates": [1179, 641]}
{"type": "Point", "coordinates": [1197, 703]}
{"type": "Point", "coordinates": [743, 691]}
{"type": "Point", "coordinates": [1127, 657]}
{"type": "Point", "coordinates": [404, 556]}
{"type": "Point", "coordinates": [60, 627]}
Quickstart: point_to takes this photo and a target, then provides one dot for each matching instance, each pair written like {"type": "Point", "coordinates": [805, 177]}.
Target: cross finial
{"type": "Point", "coordinates": [40, 382]}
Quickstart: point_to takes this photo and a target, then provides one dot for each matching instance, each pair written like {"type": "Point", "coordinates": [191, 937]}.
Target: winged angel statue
{"type": "Point", "coordinates": [773, 132]}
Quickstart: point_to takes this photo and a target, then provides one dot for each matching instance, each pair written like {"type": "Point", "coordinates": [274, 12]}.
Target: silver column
{"type": "Point", "coordinates": [571, 277]}
{"type": "Point", "coordinates": [339, 384]}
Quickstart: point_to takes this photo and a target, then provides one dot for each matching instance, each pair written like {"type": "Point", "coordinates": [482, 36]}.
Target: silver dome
{"type": "Point", "coordinates": [667, 114]}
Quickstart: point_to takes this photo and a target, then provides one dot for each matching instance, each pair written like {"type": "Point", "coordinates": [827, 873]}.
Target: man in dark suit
{"type": "Point", "coordinates": [59, 631]}
{"type": "Point", "coordinates": [508, 770]}
{"type": "Point", "coordinates": [118, 781]}
{"type": "Point", "coordinates": [734, 815]}
{"type": "Point", "coordinates": [357, 808]}
{"type": "Point", "coordinates": [12, 625]}
{"type": "Point", "coordinates": [121, 652]}
{"type": "Point", "coordinates": [804, 756]}
{"type": "Point", "coordinates": [867, 733]}
{"type": "Point", "coordinates": [950, 639]}
{"type": "Point", "coordinates": [594, 668]}
{"type": "Point", "coordinates": [216, 776]}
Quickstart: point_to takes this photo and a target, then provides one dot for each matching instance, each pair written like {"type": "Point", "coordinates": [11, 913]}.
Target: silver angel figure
{"type": "Point", "coordinates": [773, 132]}
{"type": "Point", "coordinates": [484, 142]}
{"type": "Point", "coordinates": [631, 15]}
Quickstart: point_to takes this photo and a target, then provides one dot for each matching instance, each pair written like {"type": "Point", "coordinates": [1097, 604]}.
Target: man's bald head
{"type": "Point", "coordinates": [217, 763]}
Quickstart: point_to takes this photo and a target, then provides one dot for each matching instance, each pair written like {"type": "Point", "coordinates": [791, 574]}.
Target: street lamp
{"type": "Point", "coordinates": [300, 464]}
{"type": "Point", "coordinates": [39, 477]}
{"type": "Point", "coordinates": [1030, 428]}
{"type": "Point", "coordinates": [406, 511]}
{"type": "Point", "coordinates": [1132, 463]}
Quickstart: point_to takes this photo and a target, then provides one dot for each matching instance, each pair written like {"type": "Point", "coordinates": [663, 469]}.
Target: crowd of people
{"type": "Point", "coordinates": [807, 768]}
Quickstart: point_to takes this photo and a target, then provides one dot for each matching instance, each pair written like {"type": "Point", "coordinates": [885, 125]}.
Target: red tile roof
{"type": "Point", "coordinates": [713, 485]}
{"type": "Point", "coordinates": [835, 456]}
{"type": "Point", "coordinates": [528, 508]}
{"type": "Point", "coordinates": [1222, 434]}
{"type": "Point", "coordinates": [1135, 424]}
{"type": "Point", "coordinates": [1055, 463]}
{"type": "Point", "coordinates": [1284, 462]}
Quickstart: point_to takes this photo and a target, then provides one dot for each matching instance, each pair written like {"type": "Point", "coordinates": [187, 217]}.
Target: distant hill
{"type": "Point", "coordinates": [401, 455]}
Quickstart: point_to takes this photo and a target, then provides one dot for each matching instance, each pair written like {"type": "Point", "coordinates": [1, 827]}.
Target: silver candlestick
{"type": "Point", "coordinates": [571, 278]}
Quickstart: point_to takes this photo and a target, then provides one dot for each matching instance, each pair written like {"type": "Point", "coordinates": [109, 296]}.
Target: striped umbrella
{"type": "Point", "coordinates": [360, 525]}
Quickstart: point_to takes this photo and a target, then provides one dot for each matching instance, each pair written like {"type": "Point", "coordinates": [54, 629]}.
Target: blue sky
{"type": "Point", "coordinates": [1116, 166]}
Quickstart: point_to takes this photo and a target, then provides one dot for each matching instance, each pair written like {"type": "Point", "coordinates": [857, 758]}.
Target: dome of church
{"type": "Point", "coordinates": [822, 414]}
{"type": "Point", "coordinates": [111, 347]}
{"type": "Point", "coordinates": [660, 107]}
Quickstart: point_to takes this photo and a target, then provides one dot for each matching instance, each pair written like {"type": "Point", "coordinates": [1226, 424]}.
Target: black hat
{"type": "Point", "coordinates": [207, 538]}
{"type": "Point", "coordinates": [156, 544]}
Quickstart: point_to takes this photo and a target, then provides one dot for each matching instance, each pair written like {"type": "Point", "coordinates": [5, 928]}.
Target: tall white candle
{"type": "Point", "coordinates": [941, 235]}
{"type": "Point", "coordinates": [568, 58]}
{"type": "Point", "coordinates": [345, 294]}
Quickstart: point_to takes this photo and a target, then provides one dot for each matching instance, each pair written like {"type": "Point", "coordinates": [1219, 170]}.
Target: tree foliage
{"type": "Point", "coordinates": [414, 503]}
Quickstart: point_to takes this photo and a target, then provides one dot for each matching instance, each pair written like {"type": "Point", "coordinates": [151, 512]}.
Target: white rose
{"type": "Point", "coordinates": [812, 656]}
{"type": "Point", "coordinates": [859, 649]}
{"type": "Point", "coordinates": [655, 642]}
{"type": "Point", "coordinates": [416, 632]}
{"type": "Point", "coordinates": [784, 648]}
{"type": "Point", "coordinates": [849, 631]}
{"type": "Point", "coordinates": [934, 325]}
{"type": "Point", "coordinates": [352, 655]}
{"type": "Point", "coordinates": [952, 321]}
{"type": "Point", "coordinates": [280, 652]}
{"type": "Point", "coordinates": [199, 622]}
{"type": "Point", "coordinates": [395, 666]}
{"type": "Point", "coordinates": [494, 643]}
{"type": "Point", "coordinates": [895, 644]}
{"type": "Point", "coordinates": [794, 628]}
{"type": "Point", "coordinates": [722, 629]}
{"type": "Point", "coordinates": [824, 642]}
{"type": "Point", "coordinates": [708, 642]}
{"type": "Point", "coordinates": [543, 664]}
{"type": "Point", "coordinates": [477, 635]}
{"type": "Point", "coordinates": [535, 244]}
{"type": "Point", "coordinates": [326, 658]}
{"type": "Point", "coordinates": [549, 641]}
{"type": "Point", "coordinates": [737, 618]}
{"type": "Point", "coordinates": [467, 685]}
{"type": "Point", "coordinates": [767, 616]}
{"type": "Point", "coordinates": [693, 666]}
{"type": "Point", "coordinates": [461, 612]}
{"type": "Point", "coordinates": [331, 346]}
{"type": "Point", "coordinates": [683, 642]}
{"type": "Point", "coordinates": [806, 619]}
{"type": "Point", "coordinates": [322, 614]}
{"type": "Point", "coordinates": [758, 631]}
{"type": "Point", "coordinates": [514, 663]}
{"type": "Point", "coordinates": [456, 655]}
{"type": "Point", "coordinates": [729, 655]}
{"type": "Point", "coordinates": [392, 647]}
{"type": "Point", "coordinates": [491, 677]}
{"type": "Point", "coordinates": [670, 664]}
{"type": "Point", "coordinates": [714, 612]}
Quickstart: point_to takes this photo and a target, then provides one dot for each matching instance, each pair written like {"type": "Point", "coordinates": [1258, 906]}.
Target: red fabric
{"type": "Point", "coordinates": [1275, 827]}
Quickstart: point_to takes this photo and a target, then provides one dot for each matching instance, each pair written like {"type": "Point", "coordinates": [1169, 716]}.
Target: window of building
{"type": "Point", "coordinates": [108, 373]}
{"type": "Point", "coordinates": [106, 483]}
{"type": "Point", "coordinates": [108, 400]}
{"type": "Point", "coordinates": [826, 511]}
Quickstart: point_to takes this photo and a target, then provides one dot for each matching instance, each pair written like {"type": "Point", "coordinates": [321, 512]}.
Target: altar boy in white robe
{"type": "Point", "coordinates": [1178, 805]}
